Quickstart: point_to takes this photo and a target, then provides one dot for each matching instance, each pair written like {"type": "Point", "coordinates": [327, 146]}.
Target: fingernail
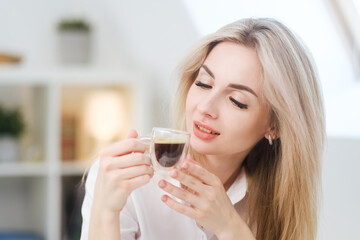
{"type": "Point", "coordinates": [173, 173]}
{"type": "Point", "coordinates": [164, 198]}
{"type": "Point", "coordinates": [162, 183]}
{"type": "Point", "coordinates": [185, 165]}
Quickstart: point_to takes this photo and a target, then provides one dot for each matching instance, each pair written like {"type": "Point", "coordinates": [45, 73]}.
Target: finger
{"type": "Point", "coordinates": [179, 207]}
{"type": "Point", "coordinates": [137, 182]}
{"type": "Point", "coordinates": [189, 181]}
{"type": "Point", "coordinates": [191, 159]}
{"type": "Point", "coordinates": [135, 171]}
{"type": "Point", "coordinates": [132, 134]}
{"type": "Point", "coordinates": [200, 173]}
{"type": "Point", "coordinates": [178, 192]}
{"type": "Point", "coordinates": [128, 160]}
{"type": "Point", "coordinates": [123, 147]}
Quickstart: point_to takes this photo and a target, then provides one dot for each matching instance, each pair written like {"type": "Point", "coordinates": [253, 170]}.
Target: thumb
{"type": "Point", "coordinates": [132, 134]}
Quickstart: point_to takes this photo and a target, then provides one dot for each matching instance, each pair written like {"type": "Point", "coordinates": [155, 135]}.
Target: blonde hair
{"type": "Point", "coordinates": [285, 178]}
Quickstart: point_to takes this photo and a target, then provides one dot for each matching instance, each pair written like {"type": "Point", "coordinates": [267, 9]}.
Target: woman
{"type": "Point", "coordinates": [250, 98]}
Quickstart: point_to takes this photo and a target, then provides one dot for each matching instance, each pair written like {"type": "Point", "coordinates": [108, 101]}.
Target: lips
{"type": "Point", "coordinates": [204, 132]}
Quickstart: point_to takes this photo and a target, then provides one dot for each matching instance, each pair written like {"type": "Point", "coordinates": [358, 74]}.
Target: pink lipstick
{"type": "Point", "coordinates": [204, 132]}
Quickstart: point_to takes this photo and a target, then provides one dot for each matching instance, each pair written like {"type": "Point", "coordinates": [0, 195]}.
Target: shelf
{"type": "Point", "coordinates": [22, 205]}
{"type": "Point", "coordinates": [67, 75]}
{"type": "Point", "coordinates": [23, 169]}
{"type": "Point", "coordinates": [43, 192]}
{"type": "Point", "coordinates": [74, 168]}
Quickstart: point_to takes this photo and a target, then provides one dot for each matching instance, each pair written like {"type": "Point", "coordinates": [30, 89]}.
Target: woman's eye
{"type": "Point", "coordinates": [202, 85]}
{"type": "Point", "coordinates": [238, 104]}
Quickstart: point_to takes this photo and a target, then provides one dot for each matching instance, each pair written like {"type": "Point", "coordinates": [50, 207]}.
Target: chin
{"type": "Point", "coordinates": [202, 147]}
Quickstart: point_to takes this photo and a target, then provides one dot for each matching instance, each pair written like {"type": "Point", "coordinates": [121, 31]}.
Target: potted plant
{"type": "Point", "coordinates": [74, 41]}
{"type": "Point", "coordinates": [11, 128]}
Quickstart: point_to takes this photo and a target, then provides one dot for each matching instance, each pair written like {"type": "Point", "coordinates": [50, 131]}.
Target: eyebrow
{"type": "Point", "coordinates": [208, 71]}
{"type": "Point", "coordinates": [242, 87]}
{"type": "Point", "coordinates": [231, 85]}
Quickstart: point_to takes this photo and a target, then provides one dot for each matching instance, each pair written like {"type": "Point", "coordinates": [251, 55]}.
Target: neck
{"type": "Point", "coordinates": [226, 168]}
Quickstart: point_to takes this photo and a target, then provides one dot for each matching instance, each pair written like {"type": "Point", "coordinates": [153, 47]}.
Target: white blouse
{"type": "Point", "coordinates": [146, 217]}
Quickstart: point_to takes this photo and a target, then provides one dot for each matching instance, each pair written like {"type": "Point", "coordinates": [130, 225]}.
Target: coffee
{"type": "Point", "coordinates": [168, 154]}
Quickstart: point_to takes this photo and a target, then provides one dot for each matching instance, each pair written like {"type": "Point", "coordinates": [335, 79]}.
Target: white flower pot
{"type": "Point", "coordinates": [74, 47]}
{"type": "Point", "coordinates": [9, 149]}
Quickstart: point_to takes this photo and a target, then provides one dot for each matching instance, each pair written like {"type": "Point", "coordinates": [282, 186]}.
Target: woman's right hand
{"type": "Point", "coordinates": [123, 168]}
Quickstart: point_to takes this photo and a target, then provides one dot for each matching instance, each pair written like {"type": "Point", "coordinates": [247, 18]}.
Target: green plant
{"type": "Point", "coordinates": [11, 122]}
{"type": "Point", "coordinates": [74, 24]}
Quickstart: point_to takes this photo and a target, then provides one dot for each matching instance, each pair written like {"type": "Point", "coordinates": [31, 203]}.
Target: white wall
{"type": "Point", "coordinates": [29, 28]}
{"type": "Point", "coordinates": [341, 190]}
{"type": "Point", "coordinates": [158, 34]}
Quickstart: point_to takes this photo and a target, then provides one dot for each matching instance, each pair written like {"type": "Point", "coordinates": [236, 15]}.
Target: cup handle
{"type": "Point", "coordinates": [147, 142]}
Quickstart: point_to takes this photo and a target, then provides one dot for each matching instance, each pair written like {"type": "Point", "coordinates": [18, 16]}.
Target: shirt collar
{"type": "Point", "coordinates": [237, 190]}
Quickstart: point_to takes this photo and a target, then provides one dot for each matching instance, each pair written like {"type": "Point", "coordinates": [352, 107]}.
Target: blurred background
{"type": "Point", "coordinates": [76, 75]}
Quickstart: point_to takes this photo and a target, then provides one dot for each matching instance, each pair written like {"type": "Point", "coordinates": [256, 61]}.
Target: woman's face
{"type": "Point", "coordinates": [224, 112]}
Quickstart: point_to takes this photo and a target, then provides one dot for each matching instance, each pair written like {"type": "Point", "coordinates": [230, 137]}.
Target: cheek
{"type": "Point", "coordinates": [189, 107]}
{"type": "Point", "coordinates": [246, 130]}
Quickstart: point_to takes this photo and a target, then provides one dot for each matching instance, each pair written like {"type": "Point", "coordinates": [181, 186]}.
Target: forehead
{"type": "Point", "coordinates": [234, 63]}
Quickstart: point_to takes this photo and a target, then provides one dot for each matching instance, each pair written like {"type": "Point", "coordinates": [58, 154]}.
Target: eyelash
{"type": "Point", "coordinates": [202, 85]}
{"type": "Point", "coordinates": [238, 104]}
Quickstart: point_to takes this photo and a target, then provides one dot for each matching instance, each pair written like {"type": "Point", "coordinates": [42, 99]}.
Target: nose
{"type": "Point", "coordinates": [208, 106]}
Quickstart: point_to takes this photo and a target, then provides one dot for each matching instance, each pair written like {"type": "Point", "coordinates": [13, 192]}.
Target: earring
{"type": "Point", "coordinates": [270, 140]}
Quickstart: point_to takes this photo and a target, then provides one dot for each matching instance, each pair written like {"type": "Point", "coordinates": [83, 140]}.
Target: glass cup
{"type": "Point", "coordinates": [167, 148]}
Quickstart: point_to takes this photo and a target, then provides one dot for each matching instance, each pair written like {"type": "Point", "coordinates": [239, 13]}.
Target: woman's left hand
{"type": "Point", "coordinates": [207, 200]}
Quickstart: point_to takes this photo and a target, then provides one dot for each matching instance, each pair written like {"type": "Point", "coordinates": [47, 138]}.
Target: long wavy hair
{"type": "Point", "coordinates": [284, 179]}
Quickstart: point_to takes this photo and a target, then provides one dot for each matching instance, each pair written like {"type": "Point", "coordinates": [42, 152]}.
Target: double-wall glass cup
{"type": "Point", "coordinates": [167, 148]}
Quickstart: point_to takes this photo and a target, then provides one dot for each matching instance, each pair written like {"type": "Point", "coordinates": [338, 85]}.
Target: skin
{"type": "Point", "coordinates": [240, 129]}
{"type": "Point", "coordinates": [121, 172]}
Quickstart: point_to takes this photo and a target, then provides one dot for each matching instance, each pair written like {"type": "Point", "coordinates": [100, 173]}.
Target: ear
{"type": "Point", "coordinates": [272, 132]}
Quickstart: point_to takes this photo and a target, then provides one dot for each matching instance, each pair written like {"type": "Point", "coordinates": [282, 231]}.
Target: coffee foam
{"type": "Point", "coordinates": [178, 140]}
